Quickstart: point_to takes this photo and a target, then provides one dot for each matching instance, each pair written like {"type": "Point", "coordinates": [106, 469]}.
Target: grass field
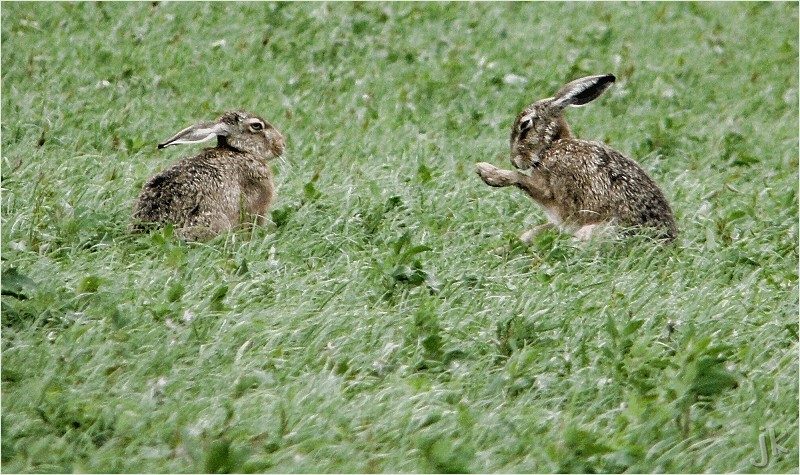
{"type": "Point", "coordinates": [387, 319]}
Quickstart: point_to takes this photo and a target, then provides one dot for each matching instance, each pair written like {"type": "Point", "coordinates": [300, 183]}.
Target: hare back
{"type": "Point", "coordinates": [593, 183]}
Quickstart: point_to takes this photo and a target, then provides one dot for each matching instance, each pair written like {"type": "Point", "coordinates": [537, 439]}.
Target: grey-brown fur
{"type": "Point", "coordinates": [581, 185]}
{"type": "Point", "coordinates": [219, 188]}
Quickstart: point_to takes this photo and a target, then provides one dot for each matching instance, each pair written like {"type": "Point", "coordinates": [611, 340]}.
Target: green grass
{"type": "Point", "coordinates": [387, 319]}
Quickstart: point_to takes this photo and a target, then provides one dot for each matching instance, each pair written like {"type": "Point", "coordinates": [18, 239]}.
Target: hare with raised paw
{"type": "Point", "coordinates": [221, 187]}
{"type": "Point", "coordinates": [583, 186]}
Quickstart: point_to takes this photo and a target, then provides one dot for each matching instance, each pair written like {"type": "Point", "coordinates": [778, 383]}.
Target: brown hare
{"type": "Point", "coordinates": [219, 188]}
{"type": "Point", "coordinates": [581, 185]}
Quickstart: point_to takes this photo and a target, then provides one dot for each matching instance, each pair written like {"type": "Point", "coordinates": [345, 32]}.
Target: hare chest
{"type": "Point", "coordinates": [256, 197]}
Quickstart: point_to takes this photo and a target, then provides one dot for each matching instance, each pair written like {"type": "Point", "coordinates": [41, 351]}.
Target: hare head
{"type": "Point", "coordinates": [542, 123]}
{"type": "Point", "coordinates": [239, 130]}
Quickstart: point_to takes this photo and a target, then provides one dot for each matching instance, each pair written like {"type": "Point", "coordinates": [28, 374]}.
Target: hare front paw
{"type": "Point", "coordinates": [527, 236]}
{"type": "Point", "coordinates": [493, 176]}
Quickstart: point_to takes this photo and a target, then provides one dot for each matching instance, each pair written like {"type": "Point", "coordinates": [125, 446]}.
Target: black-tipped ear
{"type": "Point", "coordinates": [197, 133]}
{"type": "Point", "coordinates": [582, 91]}
{"type": "Point", "coordinates": [525, 123]}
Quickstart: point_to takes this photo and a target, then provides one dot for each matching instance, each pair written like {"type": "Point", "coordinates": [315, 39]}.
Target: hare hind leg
{"type": "Point", "coordinates": [584, 233]}
{"type": "Point", "coordinates": [205, 228]}
{"type": "Point", "coordinates": [195, 233]}
{"type": "Point", "coordinates": [591, 231]}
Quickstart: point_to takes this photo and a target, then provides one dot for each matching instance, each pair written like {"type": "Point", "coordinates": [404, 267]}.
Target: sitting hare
{"type": "Point", "coordinates": [581, 185]}
{"type": "Point", "coordinates": [219, 188]}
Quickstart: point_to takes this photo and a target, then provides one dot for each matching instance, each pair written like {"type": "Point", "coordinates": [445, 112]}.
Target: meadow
{"type": "Point", "coordinates": [387, 319]}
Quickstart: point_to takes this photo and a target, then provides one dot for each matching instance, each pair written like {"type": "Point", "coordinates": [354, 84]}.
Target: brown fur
{"type": "Point", "coordinates": [580, 184]}
{"type": "Point", "coordinates": [218, 189]}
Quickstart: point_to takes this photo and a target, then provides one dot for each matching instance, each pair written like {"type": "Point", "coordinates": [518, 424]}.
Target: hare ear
{"type": "Point", "coordinates": [197, 133]}
{"type": "Point", "coordinates": [582, 91]}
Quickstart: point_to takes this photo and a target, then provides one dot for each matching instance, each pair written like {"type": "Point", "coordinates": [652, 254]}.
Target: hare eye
{"type": "Point", "coordinates": [256, 126]}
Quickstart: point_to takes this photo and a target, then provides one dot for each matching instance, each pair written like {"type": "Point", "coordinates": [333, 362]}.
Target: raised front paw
{"type": "Point", "coordinates": [493, 176]}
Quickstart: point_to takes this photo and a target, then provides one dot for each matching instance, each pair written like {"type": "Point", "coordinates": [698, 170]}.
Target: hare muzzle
{"type": "Point", "coordinates": [522, 163]}
{"type": "Point", "coordinates": [278, 144]}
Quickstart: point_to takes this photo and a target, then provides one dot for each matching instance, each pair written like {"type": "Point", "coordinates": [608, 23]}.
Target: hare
{"type": "Point", "coordinates": [219, 188]}
{"type": "Point", "coordinates": [583, 186]}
